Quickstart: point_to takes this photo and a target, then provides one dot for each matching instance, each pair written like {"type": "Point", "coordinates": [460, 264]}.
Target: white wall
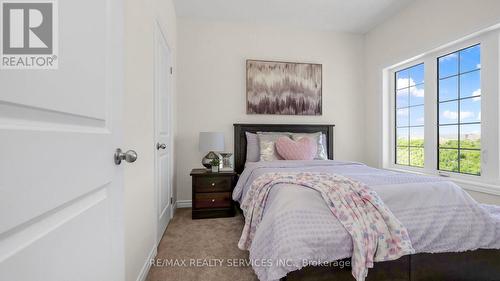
{"type": "Point", "coordinates": [421, 27]}
{"type": "Point", "coordinates": [140, 232]}
{"type": "Point", "coordinates": [211, 84]}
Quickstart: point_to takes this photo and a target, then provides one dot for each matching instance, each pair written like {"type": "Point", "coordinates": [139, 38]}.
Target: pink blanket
{"type": "Point", "coordinates": [376, 233]}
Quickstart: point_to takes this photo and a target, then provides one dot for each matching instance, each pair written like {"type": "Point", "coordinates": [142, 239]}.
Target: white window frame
{"type": "Point", "coordinates": [393, 114]}
{"type": "Point", "coordinates": [489, 180]}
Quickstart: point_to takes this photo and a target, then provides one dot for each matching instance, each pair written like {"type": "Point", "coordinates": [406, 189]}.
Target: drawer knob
{"type": "Point", "coordinates": [213, 200]}
{"type": "Point", "coordinates": [213, 184]}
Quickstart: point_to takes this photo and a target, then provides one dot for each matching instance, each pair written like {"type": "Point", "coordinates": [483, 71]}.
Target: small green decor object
{"type": "Point", "coordinates": [215, 165]}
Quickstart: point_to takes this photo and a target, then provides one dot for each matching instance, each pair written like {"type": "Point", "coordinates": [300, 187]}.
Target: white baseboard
{"type": "Point", "coordinates": [147, 265]}
{"type": "Point", "coordinates": [184, 204]}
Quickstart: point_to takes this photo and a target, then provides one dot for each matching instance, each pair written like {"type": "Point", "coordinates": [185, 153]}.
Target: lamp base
{"type": "Point", "coordinates": [207, 160]}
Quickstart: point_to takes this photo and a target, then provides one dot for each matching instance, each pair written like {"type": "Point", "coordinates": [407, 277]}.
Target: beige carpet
{"type": "Point", "coordinates": [207, 247]}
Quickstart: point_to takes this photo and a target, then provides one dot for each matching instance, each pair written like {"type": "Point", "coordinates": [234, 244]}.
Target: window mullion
{"type": "Point", "coordinates": [430, 115]}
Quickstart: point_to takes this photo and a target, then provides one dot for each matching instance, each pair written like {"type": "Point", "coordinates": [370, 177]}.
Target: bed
{"type": "Point", "coordinates": [452, 242]}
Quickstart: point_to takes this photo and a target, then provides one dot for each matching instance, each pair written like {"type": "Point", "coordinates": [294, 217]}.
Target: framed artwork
{"type": "Point", "coordinates": [284, 88]}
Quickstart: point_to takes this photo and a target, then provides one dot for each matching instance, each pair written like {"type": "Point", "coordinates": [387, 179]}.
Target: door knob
{"type": "Point", "coordinates": [161, 146]}
{"type": "Point", "coordinates": [129, 156]}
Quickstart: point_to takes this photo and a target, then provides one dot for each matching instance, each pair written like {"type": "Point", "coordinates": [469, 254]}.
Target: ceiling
{"type": "Point", "coordinates": [356, 16]}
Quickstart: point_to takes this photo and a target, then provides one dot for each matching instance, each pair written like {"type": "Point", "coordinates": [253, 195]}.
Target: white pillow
{"type": "Point", "coordinates": [267, 145]}
{"type": "Point", "coordinates": [253, 151]}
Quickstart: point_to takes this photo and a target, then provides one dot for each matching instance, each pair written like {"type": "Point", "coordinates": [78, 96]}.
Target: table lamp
{"type": "Point", "coordinates": [210, 142]}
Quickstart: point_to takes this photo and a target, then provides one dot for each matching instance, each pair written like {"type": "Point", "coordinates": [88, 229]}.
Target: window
{"type": "Point", "coordinates": [409, 93]}
{"type": "Point", "coordinates": [459, 111]}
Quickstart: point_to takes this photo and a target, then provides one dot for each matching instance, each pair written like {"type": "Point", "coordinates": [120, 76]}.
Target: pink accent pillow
{"type": "Point", "coordinates": [303, 149]}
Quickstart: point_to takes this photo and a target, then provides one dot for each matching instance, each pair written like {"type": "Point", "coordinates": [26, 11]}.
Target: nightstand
{"type": "Point", "coordinates": [212, 194]}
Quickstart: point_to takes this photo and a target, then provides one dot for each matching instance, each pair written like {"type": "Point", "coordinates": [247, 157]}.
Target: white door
{"type": "Point", "coordinates": [163, 137]}
{"type": "Point", "coordinates": [61, 195]}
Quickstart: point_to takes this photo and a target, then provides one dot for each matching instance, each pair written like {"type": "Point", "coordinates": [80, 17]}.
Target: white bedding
{"type": "Point", "coordinates": [298, 228]}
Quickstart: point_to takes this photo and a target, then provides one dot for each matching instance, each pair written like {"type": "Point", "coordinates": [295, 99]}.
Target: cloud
{"type": "Point", "coordinates": [414, 91]}
{"type": "Point", "coordinates": [478, 65]}
{"type": "Point", "coordinates": [450, 114]}
{"type": "Point", "coordinates": [454, 115]}
{"type": "Point", "coordinates": [417, 92]}
{"type": "Point", "coordinates": [466, 114]}
{"type": "Point", "coordinates": [401, 93]}
{"type": "Point", "coordinates": [479, 116]}
{"type": "Point", "coordinates": [402, 83]}
{"type": "Point", "coordinates": [420, 120]}
{"type": "Point", "coordinates": [477, 95]}
{"type": "Point", "coordinates": [402, 112]}
{"type": "Point", "coordinates": [476, 92]}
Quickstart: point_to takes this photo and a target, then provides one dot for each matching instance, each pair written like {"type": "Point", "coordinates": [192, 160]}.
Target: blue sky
{"type": "Point", "coordinates": [459, 70]}
{"type": "Point", "coordinates": [462, 72]}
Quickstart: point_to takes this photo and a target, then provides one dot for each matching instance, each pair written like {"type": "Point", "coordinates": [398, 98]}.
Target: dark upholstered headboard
{"type": "Point", "coordinates": [240, 140]}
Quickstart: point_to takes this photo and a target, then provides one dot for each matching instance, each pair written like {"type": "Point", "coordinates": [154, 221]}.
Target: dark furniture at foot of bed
{"type": "Point", "coordinates": [478, 265]}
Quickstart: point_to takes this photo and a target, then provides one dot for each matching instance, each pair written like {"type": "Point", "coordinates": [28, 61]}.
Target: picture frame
{"type": "Point", "coordinates": [283, 88]}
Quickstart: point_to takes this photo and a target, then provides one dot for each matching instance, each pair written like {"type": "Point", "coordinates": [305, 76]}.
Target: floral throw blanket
{"type": "Point", "coordinates": [376, 233]}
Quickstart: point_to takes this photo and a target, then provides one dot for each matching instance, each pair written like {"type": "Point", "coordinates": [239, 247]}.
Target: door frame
{"type": "Point", "coordinates": [159, 34]}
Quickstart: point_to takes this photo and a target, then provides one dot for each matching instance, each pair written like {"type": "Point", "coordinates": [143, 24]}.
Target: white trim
{"type": "Point", "coordinates": [184, 204]}
{"type": "Point", "coordinates": [479, 187]}
{"type": "Point", "coordinates": [147, 265]}
{"type": "Point", "coordinates": [489, 180]}
{"type": "Point", "coordinates": [445, 46]}
{"type": "Point", "coordinates": [465, 184]}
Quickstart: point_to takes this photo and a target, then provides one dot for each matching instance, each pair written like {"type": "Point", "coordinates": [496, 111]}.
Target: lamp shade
{"type": "Point", "coordinates": [211, 141]}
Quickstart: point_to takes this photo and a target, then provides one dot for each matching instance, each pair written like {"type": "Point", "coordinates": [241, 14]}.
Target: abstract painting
{"type": "Point", "coordinates": [283, 88]}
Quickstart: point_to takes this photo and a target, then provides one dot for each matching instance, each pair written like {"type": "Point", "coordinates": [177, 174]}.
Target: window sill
{"type": "Point", "coordinates": [477, 186]}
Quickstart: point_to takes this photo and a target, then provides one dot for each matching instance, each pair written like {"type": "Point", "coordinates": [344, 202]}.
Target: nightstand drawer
{"type": "Point", "coordinates": [212, 194]}
{"type": "Point", "coordinates": [212, 184]}
{"type": "Point", "coordinates": [212, 200]}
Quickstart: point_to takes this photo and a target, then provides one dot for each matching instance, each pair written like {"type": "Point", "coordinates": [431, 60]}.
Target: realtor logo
{"type": "Point", "coordinates": [29, 35]}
